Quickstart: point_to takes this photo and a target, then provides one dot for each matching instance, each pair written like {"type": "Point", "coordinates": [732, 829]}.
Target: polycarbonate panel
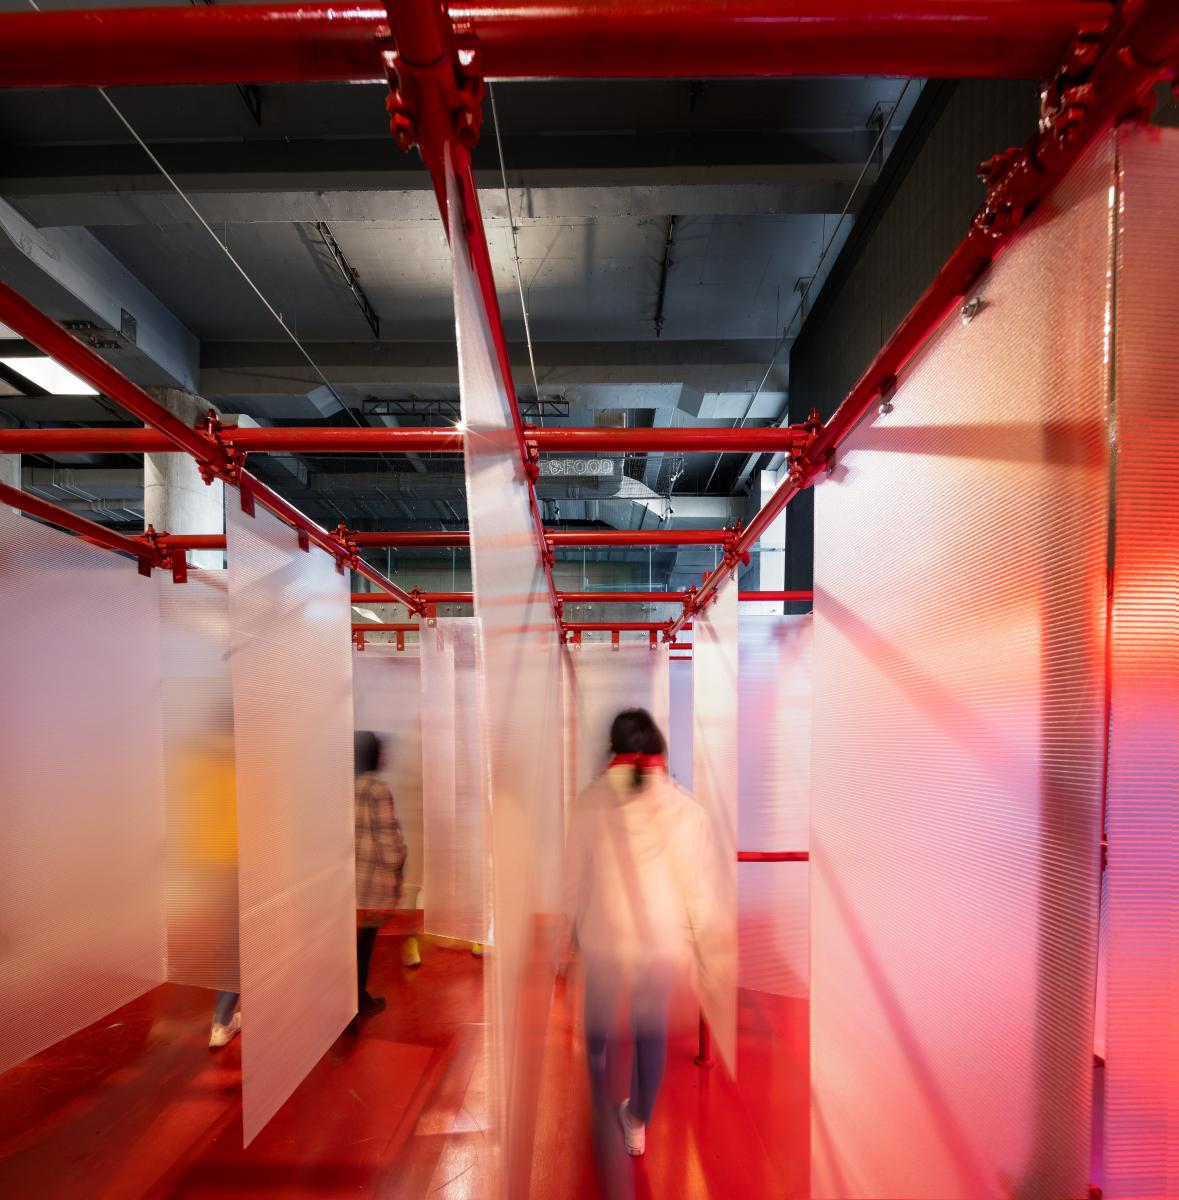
{"type": "Point", "coordinates": [199, 780]}
{"type": "Point", "coordinates": [1142, 1034]}
{"type": "Point", "coordinates": [291, 662]}
{"type": "Point", "coordinates": [454, 891]}
{"type": "Point", "coordinates": [82, 928]}
{"type": "Point", "coordinates": [714, 771]}
{"type": "Point", "coordinates": [679, 720]}
{"type": "Point", "coordinates": [387, 699]}
{"type": "Point", "coordinates": [773, 803]}
{"type": "Point", "coordinates": [960, 576]}
{"type": "Point", "coordinates": [601, 682]}
{"type": "Point", "coordinates": [522, 709]}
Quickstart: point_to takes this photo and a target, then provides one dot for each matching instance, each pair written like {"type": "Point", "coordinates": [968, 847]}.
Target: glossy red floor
{"type": "Point", "coordinates": [137, 1106]}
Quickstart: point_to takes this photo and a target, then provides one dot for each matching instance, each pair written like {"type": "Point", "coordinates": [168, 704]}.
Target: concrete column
{"type": "Point", "coordinates": [175, 498]}
{"type": "Point", "coordinates": [9, 463]}
{"type": "Point", "coordinates": [771, 562]}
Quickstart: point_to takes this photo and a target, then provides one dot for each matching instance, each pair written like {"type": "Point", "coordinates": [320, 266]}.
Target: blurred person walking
{"type": "Point", "coordinates": [636, 887]}
{"type": "Point", "coordinates": [380, 860]}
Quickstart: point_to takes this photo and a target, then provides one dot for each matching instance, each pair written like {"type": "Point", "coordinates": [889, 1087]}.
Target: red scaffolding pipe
{"type": "Point", "coordinates": [763, 856]}
{"type": "Point", "coordinates": [530, 39]}
{"type": "Point", "coordinates": [1118, 75]}
{"type": "Point", "coordinates": [213, 458]}
{"type": "Point", "coordinates": [46, 334]}
{"type": "Point", "coordinates": [444, 440]}
{"type": "Point", "coordinates": [638, 537]}
{"type": "Point", "coordinates": [384, 627]}
{"type": "Point", "coordinates": [90, 531]}
{"type": "Point", "coordinates": [417, 539]}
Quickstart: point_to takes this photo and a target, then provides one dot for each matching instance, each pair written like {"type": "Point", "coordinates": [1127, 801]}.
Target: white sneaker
{"type": "Point", "coordinates": [634, 1132]}
{"type": "Point", "coordinates": [222, 1035]}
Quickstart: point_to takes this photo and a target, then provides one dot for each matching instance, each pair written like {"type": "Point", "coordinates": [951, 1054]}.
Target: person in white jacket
{"type": "Point", "coordinates": [636, 893]}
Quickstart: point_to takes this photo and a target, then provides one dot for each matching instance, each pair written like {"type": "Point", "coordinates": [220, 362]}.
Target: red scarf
{"type": "Point", "coordinates": [645, 762]}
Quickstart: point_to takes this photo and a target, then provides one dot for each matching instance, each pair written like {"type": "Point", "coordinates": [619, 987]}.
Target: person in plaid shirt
{"type": "Point", "coordinates": [380, 860]}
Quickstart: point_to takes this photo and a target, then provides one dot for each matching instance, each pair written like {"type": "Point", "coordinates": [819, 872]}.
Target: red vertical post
{"type": "Point", "coordinates": [704, 1057]}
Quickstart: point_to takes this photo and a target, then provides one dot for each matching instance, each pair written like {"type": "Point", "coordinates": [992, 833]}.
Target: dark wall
{"type": "Point", "coordinates": [916, 214]}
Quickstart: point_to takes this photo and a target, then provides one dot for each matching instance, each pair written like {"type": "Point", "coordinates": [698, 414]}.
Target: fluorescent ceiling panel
{"type": "Point", "coordinates": [50, 376]}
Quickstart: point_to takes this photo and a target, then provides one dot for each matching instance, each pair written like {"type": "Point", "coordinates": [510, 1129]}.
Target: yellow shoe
{"type": "Point", "coordinates": [477, 949]}
{"type": "Point", "coordinates": [410, 955]}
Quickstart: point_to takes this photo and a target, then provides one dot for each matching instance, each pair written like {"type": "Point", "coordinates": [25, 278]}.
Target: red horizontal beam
{"type": "Point", "coordinates": [673, 597]}
{"type": "Point", "coordinates": [330, 440]}
{"type": "Point", "coordinates": [773, 856]}
{"type": "Point", "coordinates": [90, 531]}
{"type": "Point", "coordinates": [613, 626]}
{"type": "Point", "coordinates": [530, 39]}
{"type": "Point", "coordinates": [384, 627]}
{"type": "Point", "coordinates": [415, 539]}
{"type": "Point", "coordinates": [422, 597]}
{"type": "Point", "coordinates": [637, 537]}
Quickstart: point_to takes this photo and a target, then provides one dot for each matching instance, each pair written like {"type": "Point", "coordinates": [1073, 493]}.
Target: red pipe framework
{"type": "Point", "coordinates": [532, 39]}
{"type": "Point", "coordinates": [214, 458]}
{"type": "Point", "coordinates": [1107, 74]}
{"type": "Point", "coordinates": [416, 539]}
{"type": "Point", "coordinates": [433, 440]}
{"type": "Point", "coordinates": [586, 597]}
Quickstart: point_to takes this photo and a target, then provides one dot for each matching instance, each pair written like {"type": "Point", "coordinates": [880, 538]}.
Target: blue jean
{"type": "Point", "coordinates": [648, 994]}
{"type": "Point", "coordinates": [223, 1010]}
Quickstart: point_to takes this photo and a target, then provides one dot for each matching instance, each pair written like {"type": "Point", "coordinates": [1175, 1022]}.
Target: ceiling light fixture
{"type": "Point", "coordinates": [50, 376]}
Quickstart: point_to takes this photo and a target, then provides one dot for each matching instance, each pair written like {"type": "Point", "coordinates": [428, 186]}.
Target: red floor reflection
{"type": "Point", "coordinates": [137, 1106]}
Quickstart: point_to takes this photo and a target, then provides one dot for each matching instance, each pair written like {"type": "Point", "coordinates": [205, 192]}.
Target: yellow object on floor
{"type": "Point", "coordinates": [410, 955]}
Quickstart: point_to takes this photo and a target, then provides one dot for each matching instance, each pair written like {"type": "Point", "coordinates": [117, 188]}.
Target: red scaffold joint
{"type": "Point", "coordinates": [170, 558]}
{"type": "Point", "coordinates": [436, 86]}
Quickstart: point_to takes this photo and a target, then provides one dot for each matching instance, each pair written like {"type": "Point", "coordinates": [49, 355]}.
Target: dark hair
{"type": "Point", "coordinates": [366, 751]}
{"type": "Point", "coordinates": [634, 732]}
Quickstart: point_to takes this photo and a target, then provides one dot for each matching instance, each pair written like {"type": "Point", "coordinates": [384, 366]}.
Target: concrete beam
{"type": "Point", "coordinates": [543, 196]}
{"type": "Point", "coordinates": [274, 371]}
{"type": "Point", "coordinates": [87, 271]}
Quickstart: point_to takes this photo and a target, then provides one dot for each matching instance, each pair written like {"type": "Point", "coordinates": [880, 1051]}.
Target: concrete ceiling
{"type": "Point", "coordinates": [755, 174]}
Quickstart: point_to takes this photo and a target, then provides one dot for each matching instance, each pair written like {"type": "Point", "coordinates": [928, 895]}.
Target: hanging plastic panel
{"type": "Point", "coordinates": [1142, 1032]}
{"type": "Point", "coordinates": [602, 682]}
{"type": "Point", "coordinates": [960, 578]}
{"type": "Point", "coordinates": [773, 808]}
{"type": "Point", "coordinates": [679, 720]}
{"type": "Point", "coordinates": [714, 772]}
{"type": "Point", "coordinates": [522, 708]}
{"type": "Point", "coordinates": [200, 781]}
{"type": "Point", "coordinates": [292, 708]}
{"type": "Point", "coordinates": [454, 891]}
{"type": "Point", "coordinates": [387, 699]}
{"type": "Point", "coordinates": [81, 786]}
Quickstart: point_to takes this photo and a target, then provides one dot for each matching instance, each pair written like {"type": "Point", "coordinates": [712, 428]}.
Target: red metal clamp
{"type": "Point", "coordinates": [431, 102]}
{"type": "Point", "coordinates": [350, 553]}
{"type": "Point", "coordinates": [214, 429]}
{"type": "Point", "coordinates": [358, 638]}
{"type": "Point", "coordinates": [733, 556]}
{"type": "Point", "coordinates": [164, 556]}
{"type": "Point", "coordinates": [531, 460]}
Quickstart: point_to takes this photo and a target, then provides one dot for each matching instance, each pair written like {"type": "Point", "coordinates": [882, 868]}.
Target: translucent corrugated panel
{"type": "Point", "coordinates": [1142, 1036]}
{"type": "Point", "coordinates": [960, 568]}
{"type": "Point", "coordinates": [714, 773]}
{"type": "Point", "coordinates": [82, 927]}
{"type": "Point", "coordinates": [522, 709]}
{"type": "Point", "coordinates": [602, 682]}
{"type": "Point", "coordinates": [773, 805]}
{"type": "Point", "coordinates": [387, 699]}
{"type": "Point", "coordinates": [679, 720]}
{"type": "Point", "coordinates": [200, 780]}
{"type": "Point", "coordinates": [454, 891]}
{"type": "Point", "coordinates": [291, 660]}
